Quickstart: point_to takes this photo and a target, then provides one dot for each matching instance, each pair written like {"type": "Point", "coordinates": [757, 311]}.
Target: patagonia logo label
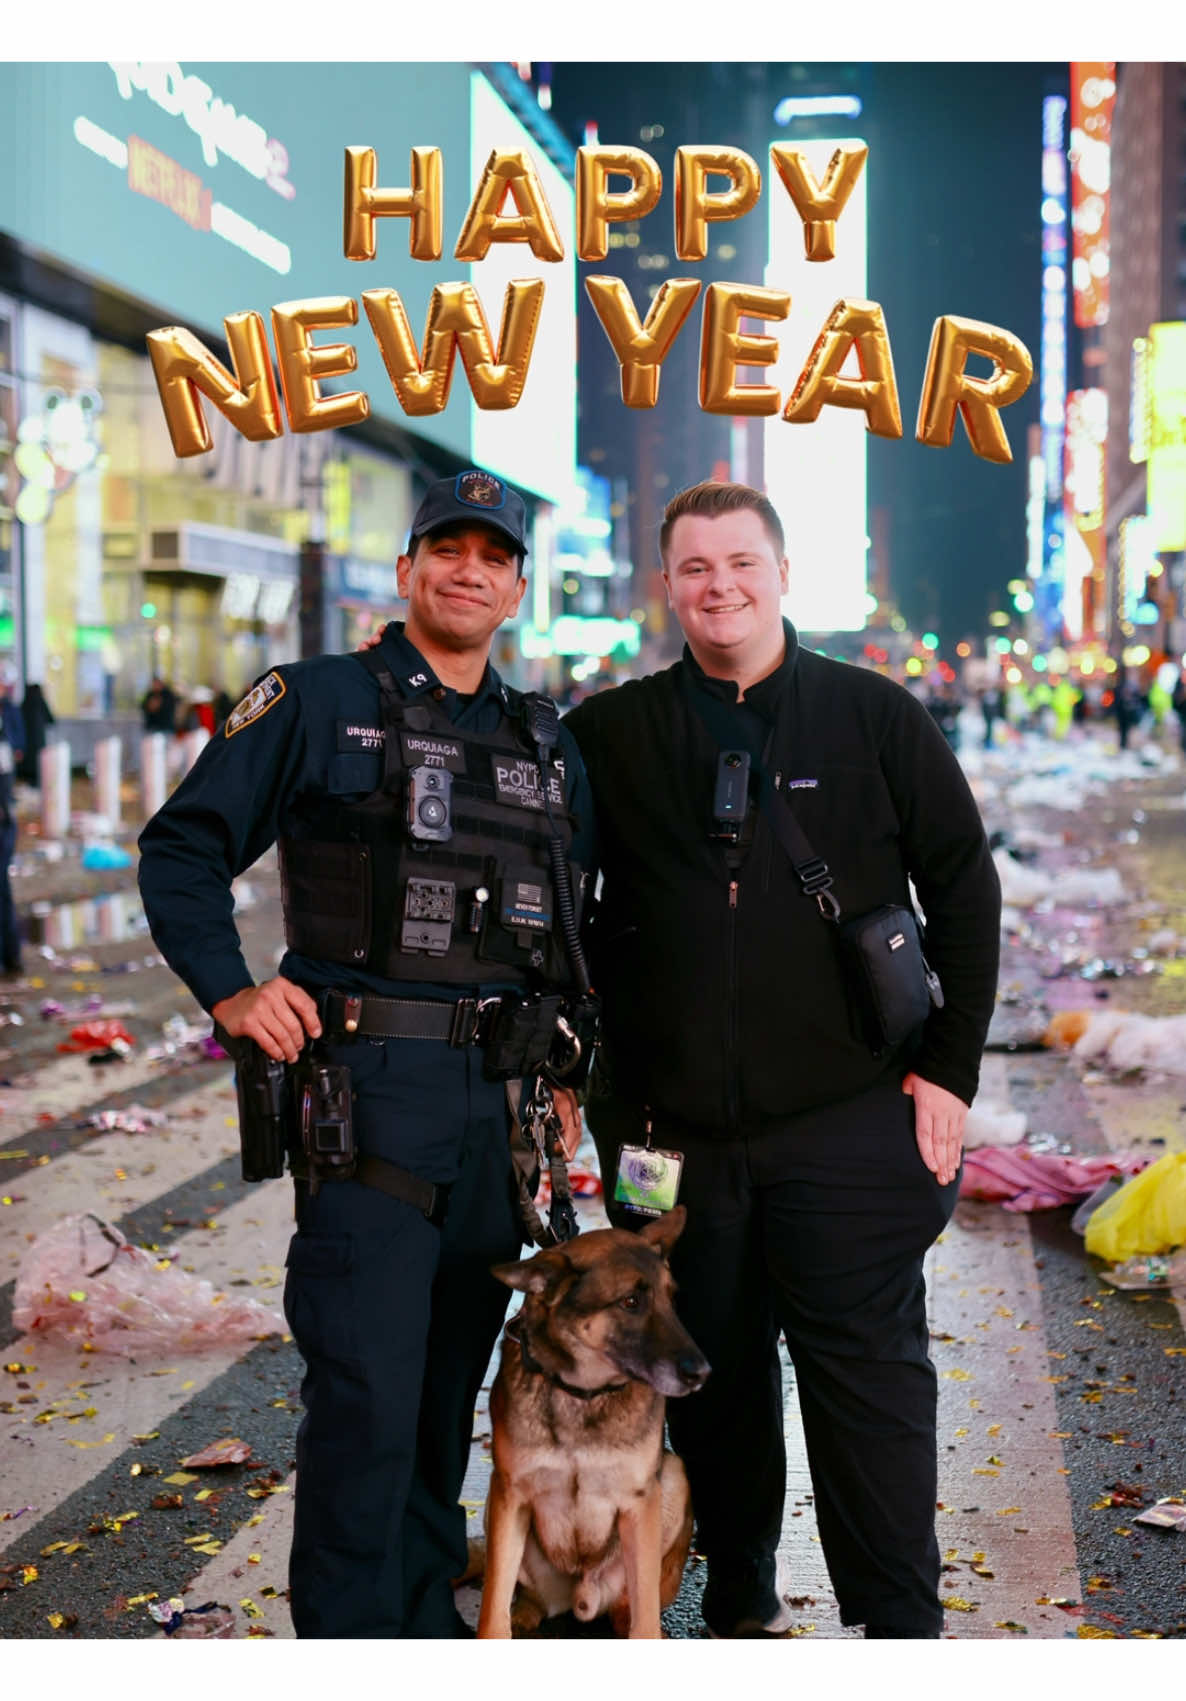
{"type": "Point", "coordinates": [802, 785]}
{"type": "Point", "coordinates": [430, 750]}
{"type": "Point", "coordinates": [518, 783]}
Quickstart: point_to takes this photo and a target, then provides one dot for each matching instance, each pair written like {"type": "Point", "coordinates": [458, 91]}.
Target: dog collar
{"type": "Point", "coordinates": [532, 1364]}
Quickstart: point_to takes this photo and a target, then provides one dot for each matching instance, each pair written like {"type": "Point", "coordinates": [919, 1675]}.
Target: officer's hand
{"type": "Point", "coordinates": [276, 1015]}
{"type": "Point", "coordinates": [569, 1112]}
{"type": "Point", "coordinates": [939, 1118]}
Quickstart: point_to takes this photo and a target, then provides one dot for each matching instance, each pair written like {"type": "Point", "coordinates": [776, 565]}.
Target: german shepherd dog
{"type": "Point", "coordinates": [586, 1511]}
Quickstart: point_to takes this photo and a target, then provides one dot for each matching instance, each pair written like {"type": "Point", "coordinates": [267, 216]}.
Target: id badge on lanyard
{"type": "Point", "coordinates": [647, 1178]}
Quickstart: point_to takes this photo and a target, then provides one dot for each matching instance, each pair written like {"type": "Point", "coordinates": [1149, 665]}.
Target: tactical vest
{"type": "Point", "coordinates": [360, 887]}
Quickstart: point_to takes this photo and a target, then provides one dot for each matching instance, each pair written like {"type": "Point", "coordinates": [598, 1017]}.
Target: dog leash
{"type": "Point", "coordinates": [539, 1125]}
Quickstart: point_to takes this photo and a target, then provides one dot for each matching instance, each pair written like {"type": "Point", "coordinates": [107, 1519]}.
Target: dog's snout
{"type": "Point", "coordinates": [693, 1369]}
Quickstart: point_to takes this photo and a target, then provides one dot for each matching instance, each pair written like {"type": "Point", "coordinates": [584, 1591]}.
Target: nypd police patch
{"type": "Point", "coordinates": [480, 490]}
{"type": "Point", "coordinates": [257, 702]}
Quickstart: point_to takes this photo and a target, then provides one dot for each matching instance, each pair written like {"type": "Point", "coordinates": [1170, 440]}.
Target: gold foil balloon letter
{"type": "Point", "coordinates": [695, 205]}
{"type": "Point", "coordinates": [641, 346]}
{"type": "Point", "coordinates": [819, 205]}
{"type": "Point", "coordinates": [423, 203]}
{"type": "Point", "coordinates": [947, 386]}
{"type": "Point", "coordinates": [183, 367]}
{"type": "Point", "coordinates": [597, 208]}
{"type": "Point", "coordinates": [724, 347]}
{"type": "Point", "coordinates": [303, 365]}
{"type": "Point", "coordinates": [457, 322]}
{"type": "Point", "coordinates": [511, 173]}
{"type": "Point", "coordinates": [859, 325]}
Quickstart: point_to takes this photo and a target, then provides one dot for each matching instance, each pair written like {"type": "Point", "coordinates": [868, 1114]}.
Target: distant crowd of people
{"type": "Point", "coordinates": [165, 710]}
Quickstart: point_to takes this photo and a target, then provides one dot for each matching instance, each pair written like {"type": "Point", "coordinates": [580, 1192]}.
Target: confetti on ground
{"type": "Point", "coordinates": [230, 1451]}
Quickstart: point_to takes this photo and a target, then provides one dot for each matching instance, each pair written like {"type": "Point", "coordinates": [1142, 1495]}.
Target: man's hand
{"type": "Point", "coordinates": [569, 1112]}
{"type": "Point", "coordinates": [373, 641]}
{"type": "Point", "coordinates": [276, 1015]}
{"type": "Point", "coordinates": [939, 1118]}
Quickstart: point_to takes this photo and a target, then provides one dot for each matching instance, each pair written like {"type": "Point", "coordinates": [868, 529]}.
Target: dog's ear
{"type": "Point", "coordinates": [663, 1233]}
{"type": "Point", "coordinates": [538, 1274]}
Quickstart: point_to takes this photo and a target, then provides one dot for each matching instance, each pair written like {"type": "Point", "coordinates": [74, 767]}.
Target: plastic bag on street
{"type": "Point", "coordinates": [1019, 1179]}
{"type": "Point", "coordinates": [1148, 1214]}
{"type": "Point", "coordinates": [83, 1281]}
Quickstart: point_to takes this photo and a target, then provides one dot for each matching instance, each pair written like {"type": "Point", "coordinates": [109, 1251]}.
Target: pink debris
{"type": "Point", "coordinates": [1020, 1180]}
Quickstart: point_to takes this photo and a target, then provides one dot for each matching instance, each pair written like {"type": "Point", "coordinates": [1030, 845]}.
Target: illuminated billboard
{"type": "Point", "coordinates": [1083, 510]}
{"type": "Point", "coordinates": [209, 189]}
{"type": "Point", "coordinates": [1166, 468]}
{"type": "Point", "coordinates": [1093, 95]}
{"type": "Point", "coordinates": [816, 474]}
{"type": "Point", "coordinates": [533, 444]}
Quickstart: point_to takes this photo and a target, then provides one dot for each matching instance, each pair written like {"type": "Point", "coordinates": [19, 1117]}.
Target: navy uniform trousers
{"type": "Point", "coordinates": [818, 1229]}
{"type": "Point", "coordinates": [396, 1321]}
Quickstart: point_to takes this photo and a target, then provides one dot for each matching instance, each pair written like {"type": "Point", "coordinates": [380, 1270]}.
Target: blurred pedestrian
{"type": "Point", "coordinates": [1127, 706]}
{"type": "Point", "coordinates": [199, 711]}
{"type": "Point", "coordinates": [992, 707]}
{"type": "Point", "coordinates": [159, 706]}
{"type": "Point", "coordinates": [945, 708]}
{"type": "Point", "coordinates": [1063, 700]}
{"type": "Point", "coordinates": [223, 704]}
{"type": "Point", "coordinates": [12, 749]}
{"type": "Point", "coordinates": [1179, 706]}
{"type": "Point", "coordinates": [37, 716]}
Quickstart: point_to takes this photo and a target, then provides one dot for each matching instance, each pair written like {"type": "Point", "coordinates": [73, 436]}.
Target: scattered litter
{"type": "Point", "coordinates": [186, 1041]}
{"type": "Point", "coordinates": [98, 1036]}
{"type": "Point", "coordinates": [209, 1620]}
{"type": "Point", "coordinates": [82, 1279]}
{"type": "Point", "coordinates": [1147, 1270]}
{"type": "Point", "coordinates": [1029, 1180]}
{"type": "Point", "coordinates": [105, 854]}
{"type": "Point", "coordinates": [1120, 1039]}
{"type": "Point", "coordinates": [132, 1119]}
{"type": "Point", "coordinates": [993, 1125]}
{"type": "Point", "coordinates": [1168, 1514]}
{"type": "Point", "coordinates": [1025, 886]}
{"type": "Point", "coordinates": [1148, 1214]}
{"type": "Point", "coordinates": [232, 1451]}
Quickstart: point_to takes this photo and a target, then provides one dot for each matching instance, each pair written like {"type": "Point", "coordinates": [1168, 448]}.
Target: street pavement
{"type": "Point", "coordinates": [1062, 1400]}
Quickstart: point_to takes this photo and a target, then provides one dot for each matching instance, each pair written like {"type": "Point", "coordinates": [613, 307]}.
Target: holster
{"type": "Point", "coordinates": [263, 1089]}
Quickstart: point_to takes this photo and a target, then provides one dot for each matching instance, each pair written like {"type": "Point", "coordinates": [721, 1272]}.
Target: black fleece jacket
{"type": "Point", "coordinates": [725, 1007]}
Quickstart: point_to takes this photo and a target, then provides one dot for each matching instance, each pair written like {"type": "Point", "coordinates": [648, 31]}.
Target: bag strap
{"type": "Point", "coordinates": [811, 870]}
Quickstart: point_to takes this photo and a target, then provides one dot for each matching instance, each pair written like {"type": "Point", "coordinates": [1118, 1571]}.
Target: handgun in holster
{"type": "Point", "coordinates": [264, 1094]}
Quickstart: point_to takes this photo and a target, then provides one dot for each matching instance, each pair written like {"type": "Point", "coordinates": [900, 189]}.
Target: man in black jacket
{"type": "Point", "coordinates": [816, 1172]}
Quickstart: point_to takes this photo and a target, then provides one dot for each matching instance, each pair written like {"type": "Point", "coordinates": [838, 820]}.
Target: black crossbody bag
{"type": "Point", "coordinates": [881, 952]}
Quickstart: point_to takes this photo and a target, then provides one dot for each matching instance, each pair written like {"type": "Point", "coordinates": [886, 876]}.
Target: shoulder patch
{"type": "Point", "coordinates": [257, 702]}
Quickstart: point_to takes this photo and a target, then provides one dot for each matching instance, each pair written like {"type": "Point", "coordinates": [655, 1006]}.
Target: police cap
{"type": "Point", "coordinates": [472, 495]}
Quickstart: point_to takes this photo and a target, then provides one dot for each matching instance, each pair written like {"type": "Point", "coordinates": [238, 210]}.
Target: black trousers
{"type": "Point", "coordinates": [817, 1229]}
{"type": "Point", "coordinates": [396, 1321]}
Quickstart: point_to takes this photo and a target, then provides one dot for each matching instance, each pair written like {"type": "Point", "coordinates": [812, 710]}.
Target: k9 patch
{"type": "Point", "coordinates": [431, 750]}
{"type": "Point", "coordinates": [356, 735]}
{"type": "Point", "coordinates": [257, 702]}
{"type": "Point", "coordinates": [517, 782]}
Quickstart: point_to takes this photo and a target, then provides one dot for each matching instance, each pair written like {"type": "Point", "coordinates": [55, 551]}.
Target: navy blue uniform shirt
{"type": "Point", "coordinates": [307, 729]}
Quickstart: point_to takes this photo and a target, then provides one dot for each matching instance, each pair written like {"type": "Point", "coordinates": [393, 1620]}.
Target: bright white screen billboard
{"type": "Point", "coordinates": [533, 444]}
{"type": "Point", "coordinates": [816, 473]}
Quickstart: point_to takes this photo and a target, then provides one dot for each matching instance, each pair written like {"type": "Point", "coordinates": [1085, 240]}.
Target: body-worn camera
{"type": "Point", "coordinates": [430, 796]}
{"type": "Point", "coordinates": [730, 798]}
{"type": "Point", "coordinates": [327, 1125]}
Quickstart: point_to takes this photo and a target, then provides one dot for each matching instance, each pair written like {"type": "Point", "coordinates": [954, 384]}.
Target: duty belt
{"type": "Point", "coordinates": [466, 1022]}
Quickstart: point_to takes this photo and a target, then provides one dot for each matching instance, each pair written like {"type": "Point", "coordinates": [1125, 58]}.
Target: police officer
{"type": "Point", "coordinates": [416, 821]}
